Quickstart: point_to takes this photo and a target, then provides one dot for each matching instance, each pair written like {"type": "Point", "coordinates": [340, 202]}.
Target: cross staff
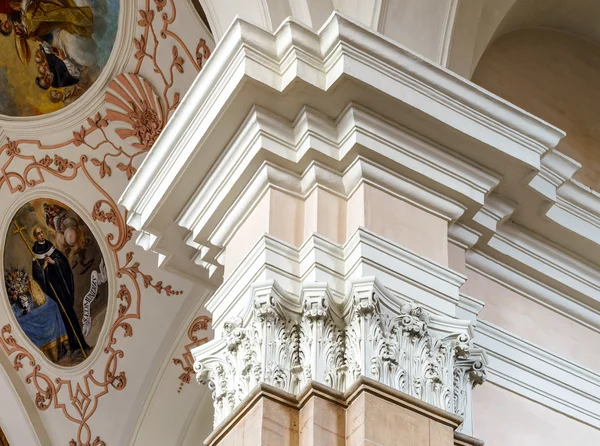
{"type": "Point", "coordinates": [19, 231]}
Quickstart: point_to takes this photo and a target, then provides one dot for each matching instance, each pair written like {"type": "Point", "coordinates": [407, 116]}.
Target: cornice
{"type": "Point", "coordinates": [533, 289]}
{"type": "Point", "coordinates": [577, 208]}
{"type": "Point", "coordinates": [316, 175]}
{"type": "Point", "coordinates": [320, 260]}
{"type": "Point", "coordinates": [541, 257]}
{"type": "Point", "coordinates": [540, 375]}
{"type": "Point", "coordinates": [342, 48]}
{"type": "Point", "coordinates": [233, 136]}
{"type": "Point", "coordinates": [356, 128]}
{"type": "Point", "coordinates": [463, 236]}
{"type": "Point", "coordinates": [556, 168]}
{"type": "Point", "coordinates": [440, 85]}
{"type": "Point", "coordinates": [469, 308]}
{"type": "Point", "coordinates": [496, 210]}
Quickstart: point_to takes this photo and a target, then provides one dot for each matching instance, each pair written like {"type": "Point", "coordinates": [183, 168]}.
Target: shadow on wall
{"type": "Point", "coordinates": [555, 76]}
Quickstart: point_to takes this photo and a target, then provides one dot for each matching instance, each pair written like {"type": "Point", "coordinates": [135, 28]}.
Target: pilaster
{"type": "Point", "coordinates": [368, 413]}
{"type": "Point", "coordinates": [314, 180]}
{"type": "Point", "coordinates": [289, 341]}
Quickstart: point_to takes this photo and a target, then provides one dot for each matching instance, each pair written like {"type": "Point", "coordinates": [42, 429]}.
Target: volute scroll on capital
{"type": "Point", "coordinates": [289, 341]}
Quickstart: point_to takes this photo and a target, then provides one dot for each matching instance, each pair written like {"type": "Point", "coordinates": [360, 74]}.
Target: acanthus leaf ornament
{"type": "Point", "coordinates": [287, 342]}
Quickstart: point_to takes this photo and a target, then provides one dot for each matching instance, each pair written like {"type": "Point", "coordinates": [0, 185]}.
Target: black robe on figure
{"type": "Point", "coordinates": [60, 277]}
{"type": "Point", "coordinates": [62, 77]}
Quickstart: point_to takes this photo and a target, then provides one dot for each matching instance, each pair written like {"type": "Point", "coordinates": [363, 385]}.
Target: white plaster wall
{"type": "Point", "coordinates": [19, 419]}
{"type": "Point", "coordinates": [423, 26]}
{"type": "Point", "coordinates": [533, 322]}
{"type": "Point", "coordinates": [406, 224]}
{"type": "Point", "coordinates": [503, 418]}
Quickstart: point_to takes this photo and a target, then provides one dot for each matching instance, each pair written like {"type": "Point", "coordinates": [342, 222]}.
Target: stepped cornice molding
{"type": "Point", "coordinates": [469, 308]}
{"type": "Point", "coordinates": [230, 216]}
{"type": "Point", "coordinates": [351, 93]}
{"type": "Point", "coordinates": [577, 207]}
{"type": "Point", "coordinates": [556, 168]}
{"type": "Point", "coordinates": [366, 254]}
{"type": "Point", "coordinates": [341, 49]}
{"type": "Point", "coordinates": [496, 211]}
{"type": "Point", "coordinates": [540, 375]}
{"type": "Point", "coordinates": [463, 236]}
{"type": "Point", "coordinates": [264, 135]}
{"type": "Point", "coordinates": [546, 261]}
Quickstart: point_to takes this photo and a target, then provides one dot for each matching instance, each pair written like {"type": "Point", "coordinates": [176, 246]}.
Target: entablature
{"type": "Point", "coordinates": [298, 109]}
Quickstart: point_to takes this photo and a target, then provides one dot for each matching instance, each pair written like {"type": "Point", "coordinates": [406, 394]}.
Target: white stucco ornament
{"type": "Point", "coordinates": [287, 342]}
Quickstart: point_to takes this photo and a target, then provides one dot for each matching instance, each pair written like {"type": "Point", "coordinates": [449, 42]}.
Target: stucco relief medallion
{"type": "Point", "coordinates": [56, 280]}
{"type": "Point", "coordinates": [52, 51]}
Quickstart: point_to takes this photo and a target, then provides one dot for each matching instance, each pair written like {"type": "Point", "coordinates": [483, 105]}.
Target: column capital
{"type": "Point", "coordinates": [289, 342]}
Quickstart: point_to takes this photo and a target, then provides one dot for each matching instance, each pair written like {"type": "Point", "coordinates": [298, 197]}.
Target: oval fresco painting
{"type": "Point", "coordinates": [55, 280]}
{"type": "Point", "coordinates": [52, 51]}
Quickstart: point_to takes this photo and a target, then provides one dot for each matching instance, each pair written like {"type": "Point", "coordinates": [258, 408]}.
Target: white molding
{"type": "Point", "coordinates": [550, 261]}
{"type": "Point", "coordinates": [556, 168]}
{"type": "Point", "coordinates": [344, 184]}
{"type": "Point", "coordinates": [446, 43]}
{"type": "Point", "coordinates": [540, 375]}
{"type": "Point", "coordinates": [533, 289]}
{"type": "Point", "coordinates": [463, 236]}
{"type": "Point", "coordinates": [342, 48]}
{"type": "Point", "coordinates": [310, 131]}
{"type": "Point", "coordinates": [411, 276]}
{"type": "Point", "coordinates": [577, 208]}
{"type": "Point", "coordinates": [495, 211]}
{"type": "Point", "coordinates": [468, 308]}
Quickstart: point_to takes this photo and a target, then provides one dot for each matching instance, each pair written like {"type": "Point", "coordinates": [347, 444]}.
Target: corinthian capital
{"type": "Point", "coordinates": [287, 342]}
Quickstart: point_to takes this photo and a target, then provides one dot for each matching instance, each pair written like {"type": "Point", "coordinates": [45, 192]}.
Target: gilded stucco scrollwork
{"type": "Point", "coordinates": [186, 362]}
{"type": "Point", "coordinates": [112, 140]}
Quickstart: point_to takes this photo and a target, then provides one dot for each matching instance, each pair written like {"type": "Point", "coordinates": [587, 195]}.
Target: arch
{"type": "Point", "coordinates": [19, 418]}
{"type": "Point", "coordinates": [221, 14]}
{"type": "Point", "coordinates": [479, 24]}
{"type": "Point", "coordinates": [424, 26]}
{"type": "Point", "coordinates": [554, 75]}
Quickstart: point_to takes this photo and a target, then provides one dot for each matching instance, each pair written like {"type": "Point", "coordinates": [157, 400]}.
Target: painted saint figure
{"type": "Point", "coordinates": [52, 272]}
{"type": "Point", "coordinates": [56, 69]}
{"type": "Point", "coordinates": [41, 17]}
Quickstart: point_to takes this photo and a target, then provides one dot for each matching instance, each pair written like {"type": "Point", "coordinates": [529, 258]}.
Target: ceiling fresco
{"type": "Point", "coordinates": [52, 51]}
{"type": "Point", "coordinates": [55, 280]}
{"type": "Point", "coordinates": [83, 372]}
